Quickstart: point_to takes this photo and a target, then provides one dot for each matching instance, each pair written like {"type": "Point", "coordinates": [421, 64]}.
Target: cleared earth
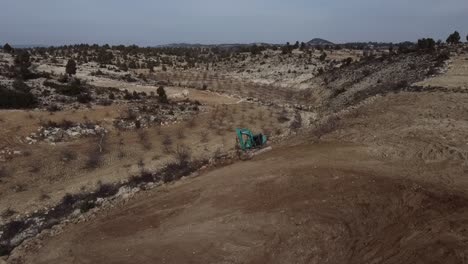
{"type": "Point", "coordinates": [326, 203]}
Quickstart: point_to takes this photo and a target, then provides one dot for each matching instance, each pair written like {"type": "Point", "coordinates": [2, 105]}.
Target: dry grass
{"type": "Point", "coordinates": [144, 140]}
{"type": "Point", "coordinates": [180, 133]}
{"type": "Point", "coordinates": [167, 143]}
{"type": "Point", "coordinates": [203, 137]}
{"type": "Point", "coordinates": [183, 154]}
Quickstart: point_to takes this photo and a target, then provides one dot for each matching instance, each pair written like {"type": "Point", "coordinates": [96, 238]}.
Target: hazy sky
{"type": "Point", "coordinates": [152, 22]}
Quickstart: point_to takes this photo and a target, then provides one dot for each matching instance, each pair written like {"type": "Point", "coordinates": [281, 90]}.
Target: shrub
{"type": "Point", "coordinates": [70, 68]}
{"type": "Point", "coordinates": [162, 95]}
{"type": "Point", "coordinates": [426, 44]}
{"type": "Point", "coordinates": [204, 137]}
{"type": "Point", "coordinates": [106, 190]}
{"type": "Point", "coordinates": [167, 143]}
{"type": "Point", "coordinates": [53, 108]}
{"type": "Point", "coordinates": [94, 159]}
{"type": "Point", "coordinates": [348, 61]}
{"type": "Point", "coordinates": [73, 89]}
{"type": "Point", "coordinates": [144, 140]}
{"type": "Point", "coordinates": [441, 58]}
{"type": "Point", "coordinates": [8, 213]}
{"type": "Point", "coordinates": [3, 173]}
{"type": "Point", "coordinates": [323, 57]}
{"type": "Point", "coordinates": [63, 78]}
{"type": "Point", "coordinates": [297, 122]}
{"type": "Point", "coordinates": [183, 155]}
{"type": "Point", "coordinates": [86, 205]}
{"type": "Point", "coordinates": [35, 168]}
{"type": "Point", "coordinates": [144, 177]}
{"type": "Point", "coordinates": [84, 98]}
{"type": "Point", "coordinates": [21, 86]}
{"type": "Point", "coordinates": [22, 63]}
{"type": "Point", "coordinates": [68, 155]}
{"type": "Point", "coordinates": [98, 73]}
{"type": "Point", "coordinates": [68, 200]}
{"type": "Point", "coordinates": [283, 116]}
{"type": "Point", "coordinates": [7, 48]}
{"type": "Point", "coordinates": [64, 124]}
{"type": "Point", "coordinates": [11, 99]}
{"type": "Point", "coordinates": [12, 229]}
{"type": "Point", "coordinates": [180, 133]}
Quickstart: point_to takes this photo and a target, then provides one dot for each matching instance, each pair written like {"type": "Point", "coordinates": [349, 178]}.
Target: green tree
{"type": "Point", "coordinates": [296, 45]}
{"type": "Point", "coordinates": [150, 65]}
{"type": "Point", "coordinates": [426, 44]}
{"type": "Point", "coordinates": [7, 48]}
{"type": "Point", "coordinates": [287, 49]}
{"type": "Point", "coordinates": [454, 38]}
{"type": "Point", "coordinates": [22, 64]}
{"type": "Point", "coordinates": [162, 95]}
{"type": "Point", "coordinates": [70, 69]}
{"type": "Point", "coordinates": [303, 45]}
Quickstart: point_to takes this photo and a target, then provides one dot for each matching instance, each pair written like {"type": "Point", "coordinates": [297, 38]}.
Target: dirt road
{"type": "Point", "coordinates": [327, 203]}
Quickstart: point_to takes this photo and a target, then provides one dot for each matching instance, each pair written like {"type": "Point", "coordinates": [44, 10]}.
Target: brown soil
{"type": "Point", "coordinates": [327, 203]}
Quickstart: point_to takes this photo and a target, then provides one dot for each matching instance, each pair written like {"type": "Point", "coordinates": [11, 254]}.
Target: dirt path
{"type": "Point", "coordinates": [329, 203]}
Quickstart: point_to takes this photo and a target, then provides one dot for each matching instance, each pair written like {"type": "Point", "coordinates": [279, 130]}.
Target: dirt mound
{"type": "Point", "coordinates": [271, 211]}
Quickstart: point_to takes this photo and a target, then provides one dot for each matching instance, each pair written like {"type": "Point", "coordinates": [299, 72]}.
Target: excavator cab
{"type": "Point", "coordinates": [247, 140]}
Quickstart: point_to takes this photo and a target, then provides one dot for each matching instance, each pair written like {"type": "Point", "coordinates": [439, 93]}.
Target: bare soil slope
{"type": "Point", "coordinates": [327, 203]}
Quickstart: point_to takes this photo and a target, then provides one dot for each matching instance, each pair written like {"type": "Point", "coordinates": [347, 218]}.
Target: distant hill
{"type": "Point", "coordinates": [319, 41]}
{"type": "Point", "coordinates": [197, 45]}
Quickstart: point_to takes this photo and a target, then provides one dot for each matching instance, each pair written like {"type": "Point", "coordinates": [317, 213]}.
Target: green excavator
{"type": "Point", "coordinates": [249, 144]}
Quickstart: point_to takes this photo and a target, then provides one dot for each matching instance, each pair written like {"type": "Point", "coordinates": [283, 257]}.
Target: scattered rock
{"type": "Point", "coordinates": [57, 134]}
